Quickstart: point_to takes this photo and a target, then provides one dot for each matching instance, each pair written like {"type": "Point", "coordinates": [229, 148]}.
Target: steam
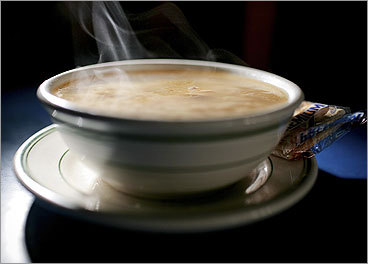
{"type": "Point", "coordinates": [162, 32]}
{"type": "Point", "coordinates": [115, 37]}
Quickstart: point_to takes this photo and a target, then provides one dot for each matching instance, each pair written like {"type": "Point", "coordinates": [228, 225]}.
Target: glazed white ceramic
{"type": "Point", "coordinates": [169, 158]}
{"type": "Point", "coordinates": [52, 173]}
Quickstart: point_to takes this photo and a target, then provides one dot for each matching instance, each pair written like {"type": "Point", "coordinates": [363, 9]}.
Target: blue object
{"type": "Point", "coordinates": [347, 157]}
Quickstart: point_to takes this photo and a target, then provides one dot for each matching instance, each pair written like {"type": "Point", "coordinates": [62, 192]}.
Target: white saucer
{"type": "Point", "coordinates": [46, 167]}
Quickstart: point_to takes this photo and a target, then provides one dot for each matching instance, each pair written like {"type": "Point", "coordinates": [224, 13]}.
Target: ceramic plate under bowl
{"type": "Point", "coordinates": [52, 173]}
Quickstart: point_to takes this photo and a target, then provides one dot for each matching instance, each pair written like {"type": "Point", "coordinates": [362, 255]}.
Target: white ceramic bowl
{"type": "Point", "coordinates": [169, 158]}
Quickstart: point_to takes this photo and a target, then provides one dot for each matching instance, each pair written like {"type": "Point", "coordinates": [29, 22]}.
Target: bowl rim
{"type": "Point", "coordinates": [56, 103]}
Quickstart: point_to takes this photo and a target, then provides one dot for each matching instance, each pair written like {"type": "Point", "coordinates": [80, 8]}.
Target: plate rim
{"type": "Point", "coordinates": [126, 219]}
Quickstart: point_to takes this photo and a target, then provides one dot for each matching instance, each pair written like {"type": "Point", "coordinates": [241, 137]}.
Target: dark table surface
{"type": "Point", "coordinates": [328, 225]}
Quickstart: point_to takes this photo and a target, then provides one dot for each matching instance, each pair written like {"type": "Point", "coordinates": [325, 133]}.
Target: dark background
{"type": "Point", "coordinates": [321, 46]}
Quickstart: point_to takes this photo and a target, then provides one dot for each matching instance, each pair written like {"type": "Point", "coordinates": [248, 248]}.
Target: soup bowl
{"type": "Point", "coordinates": [165, 159]}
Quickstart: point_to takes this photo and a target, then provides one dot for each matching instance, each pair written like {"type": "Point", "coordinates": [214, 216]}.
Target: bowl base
{"type": "Point", "coordinates": [174, 186]}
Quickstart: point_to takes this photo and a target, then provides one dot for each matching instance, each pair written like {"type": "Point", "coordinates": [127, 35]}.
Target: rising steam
{"type": "Point", "coordinates": [162, 32]}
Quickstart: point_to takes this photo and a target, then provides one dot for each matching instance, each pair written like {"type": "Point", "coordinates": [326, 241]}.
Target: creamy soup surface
{"type": "Point", "coordinates": [172, 95]}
